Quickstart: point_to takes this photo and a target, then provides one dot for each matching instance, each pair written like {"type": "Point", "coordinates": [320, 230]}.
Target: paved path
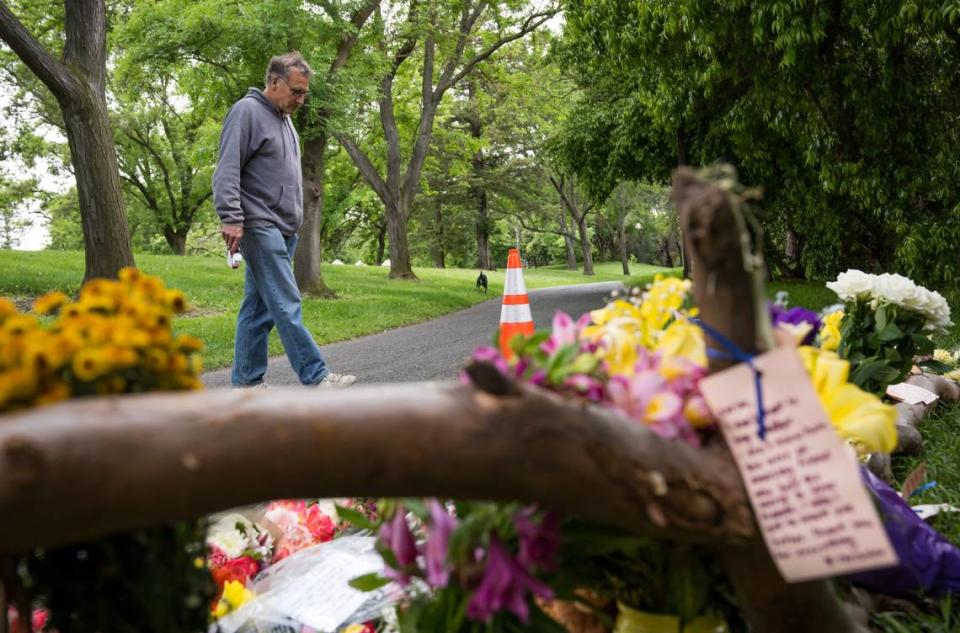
{"type": "Point", "coordinates": [434, 350]}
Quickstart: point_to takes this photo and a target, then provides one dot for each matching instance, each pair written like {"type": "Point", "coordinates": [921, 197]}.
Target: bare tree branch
{"type": "Point", "coordinates": [367, 169]}
{"type": "Point", "coordinates": [55, 75]}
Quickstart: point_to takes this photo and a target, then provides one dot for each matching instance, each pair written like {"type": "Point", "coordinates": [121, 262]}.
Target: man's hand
{"type": "Point", "coordinates": [231, 235]}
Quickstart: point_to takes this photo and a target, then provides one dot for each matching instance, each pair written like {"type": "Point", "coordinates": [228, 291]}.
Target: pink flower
{"type": "Point", "coordinates": [320, 525]}
{"type": "Point", "coordinates": [441, 527]}
{"type": "Point", "coordinates": [504, 585]}
{"type": "Point", "coordinates": [397, 537]}
{"type": "Point", "coordinates": [539, 541]}
{"type": "Point", "coordinates": [587, 386]}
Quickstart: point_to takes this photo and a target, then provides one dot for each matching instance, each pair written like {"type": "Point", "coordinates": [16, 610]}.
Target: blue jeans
{"type": "Point", "coordinates": [271, 297]}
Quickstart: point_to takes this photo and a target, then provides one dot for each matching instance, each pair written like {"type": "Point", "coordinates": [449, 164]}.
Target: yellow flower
{"type": "Point", "coordinates": [858, 416]}
{"type": "Point", "coordinates": [129, 275]}
{"type": "Point", "coordinates": [7, 308]}
{"type": "Point", "coordinates": [943, 356]}
{"type": "Point", "coordinates": [196, 364]}
{"type": "Point", "coordinates": [830, 332]}
{"type": "Point", "coordinates": [683, 339]}
{"type": "Point", "coordinates": [54, 392]}
{"type": "Point", "coordinates": [20, 324]}
{"type": "Point", "coordinates": [100, 294]}
{"type": "Point", "coordinates": [157, 359]}
{"type": "Point", "coordinates": [17, 385]}
{"type": "Point", "coordinates": [234, 596]}
{"type": "Point", "coordinates": [618, 346]}
{"type": "Point", "coordinates": [44, 352]}
{"type": "Point", "coordinates": [90, 363]}
{"type": "Point", "coordinates": [186, 343]}
{"type": "Point", "coordinates": [175, 301]}
{"type": "Point", "coordinates": [49, 302]}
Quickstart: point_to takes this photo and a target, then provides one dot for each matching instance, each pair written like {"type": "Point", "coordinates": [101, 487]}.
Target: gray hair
{"type": "Point", "coordinates": [281, 65]}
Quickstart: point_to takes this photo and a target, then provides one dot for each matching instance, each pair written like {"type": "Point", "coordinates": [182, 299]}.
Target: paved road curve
{"type": "Point", "coordinates": [434, 350]}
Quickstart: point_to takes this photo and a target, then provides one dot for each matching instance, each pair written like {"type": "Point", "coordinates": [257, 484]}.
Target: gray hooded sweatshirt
{"type": "Point", "coordinates": [257, 181]}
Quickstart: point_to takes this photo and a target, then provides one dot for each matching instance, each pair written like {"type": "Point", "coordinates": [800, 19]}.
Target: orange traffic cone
{"type": "Point", "coordinates": [515, 317]}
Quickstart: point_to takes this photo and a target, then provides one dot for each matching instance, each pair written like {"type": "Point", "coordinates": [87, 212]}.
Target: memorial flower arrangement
{"type": "Point", "coordinates": [642, 355]}
{"type": "Point", "coordinates": [239, 548]}
{"type": "Point", "coordinates": [885, 325]}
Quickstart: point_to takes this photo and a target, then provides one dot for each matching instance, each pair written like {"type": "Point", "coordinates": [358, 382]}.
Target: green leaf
{"type": "Point", "coordinates": [935, 366]}
{"type": "Point", "coordinates": [354, 518]}
{"type": "Point", "coordinates": [369, 582]}
{"type": "Point", "coordinates": [890, 333]}
{"type": "Point", "coordinates": [688, 582]}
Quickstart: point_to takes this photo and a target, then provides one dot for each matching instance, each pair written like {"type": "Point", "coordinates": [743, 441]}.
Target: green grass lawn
{"type": "Point", "coordinates": [367, 301]}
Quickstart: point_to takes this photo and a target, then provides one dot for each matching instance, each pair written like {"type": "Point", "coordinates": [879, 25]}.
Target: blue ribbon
{"type": "Point", "coordinates": [924, 487]}
{"type": "Point", "coordinates": [734, 353]}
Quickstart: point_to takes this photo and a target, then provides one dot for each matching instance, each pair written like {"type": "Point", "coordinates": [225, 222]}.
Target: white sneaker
{"type": "Point", "coordinates": [335, 381]}
{"type": "Point", "coordinates": [261, 385]}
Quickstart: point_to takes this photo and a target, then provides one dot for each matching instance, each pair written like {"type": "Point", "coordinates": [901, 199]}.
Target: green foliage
{"type": "Point", "coordinates": [144, 581]}
{"type": "Point", "coordinates": [881, 343]}
{"type": "Point", "coordinates": [844, 113]}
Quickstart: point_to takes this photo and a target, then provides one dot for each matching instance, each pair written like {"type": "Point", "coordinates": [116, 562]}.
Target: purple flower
{"type": "Point", "coordinates": [539, 541]}
{"type": "Point", "coordinates": [587, 386]}
{"type": "Point", "coordinates": [397, 537]}
{"type": "Point", "coordinates": [564, 331]}
{"type": "Point", "coordinates": [794, 318]}
{"type": "Point", "coordinates": [504, 585]}
{"type": "Point", "coordinates": [491, 355]}
{"type": "Point", "coordinates": [441, 527]}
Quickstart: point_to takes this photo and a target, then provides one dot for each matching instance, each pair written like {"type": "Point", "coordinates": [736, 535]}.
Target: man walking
{"type": "Point", "coordinates": [258, 195]}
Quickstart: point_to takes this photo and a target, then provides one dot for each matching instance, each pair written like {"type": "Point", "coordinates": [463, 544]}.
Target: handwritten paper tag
{"type": "Point", "coordinates": [803, 482]}
{"type": "Point", "coordinates": [911, 394]}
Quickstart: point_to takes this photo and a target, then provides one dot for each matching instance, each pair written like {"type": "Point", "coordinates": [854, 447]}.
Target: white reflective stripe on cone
{"type": "Point", "coordinates": [515, 314]}
{"type": "Point", "coordinates": [514, 283]}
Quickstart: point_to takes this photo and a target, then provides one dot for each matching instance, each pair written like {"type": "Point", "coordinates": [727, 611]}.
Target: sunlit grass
{"type": "Point", "coordinates": [367, 301]}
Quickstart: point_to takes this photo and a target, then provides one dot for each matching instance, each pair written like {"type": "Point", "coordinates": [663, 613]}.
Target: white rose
{"type": "Point", "coordinates": [852, 285]}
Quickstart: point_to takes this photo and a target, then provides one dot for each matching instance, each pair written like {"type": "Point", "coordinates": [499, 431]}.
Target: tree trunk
{"type": "Point", "coordinates": [309, 254]}
{"type": "Point", "coordinates": [439, 252]}
{"type": "Point", "coordinates": [483, 231]}
{"type": "Point", "coordinates": [585, 245]}
{"type": "Point", "coordinates": [381, 241]}
{"type": "Point", "coordinates": [665, 249]}
{"type": "Point", "coordinates": [78, 83]}
{"type": "Point", "coordinates": [106, 239]}
{"type": "Point", "coordinates": [567, 240]}
{"type": "Point", "coordinates": [400, 267]}
{"type": "Point", "coordinates": [176, 240]}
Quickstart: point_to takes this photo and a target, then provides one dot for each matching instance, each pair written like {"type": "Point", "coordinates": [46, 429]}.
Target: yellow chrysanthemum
{"type": "Point", "coordinates": [129, 275]}
{"type": "Point", "coordinates": [175, 301]}
{"type": "Point", "coordinates": [186, 343]}
{"type": "Point", "coordinates": [830, 331]}
{"type": "Point", "coordinates": [157, 359]}
{"type": "Point", "coordinates": [47, 303]}
{"type": "Point", "coordinates": [234, 596]}
{"type": "Point", "coordinates": [17, 385]}
{"type": "Point", "coordinates": [54, 392]}
{"type": "Point", "coordinates": [618, 346]}
{"type": "Point", "coordinates": [858, 416]}
{"type": "Point", "coordinates": [90, 363]}
{"type": "Point", "coordinates": [7, 308]}
{"type": "Point", "coordinates": [44, 352]}
{"type": "Point", "coordinates": [20, 324]}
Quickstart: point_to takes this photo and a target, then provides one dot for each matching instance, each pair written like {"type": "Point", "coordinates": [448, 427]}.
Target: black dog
{"type": "Point", "coordinates": [482, 282]}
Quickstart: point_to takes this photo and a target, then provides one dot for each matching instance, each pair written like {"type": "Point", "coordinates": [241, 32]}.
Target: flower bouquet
{"type": "Point", "coordinates": [886, 324]}
{"type": "Point", "coordinates": [468, 565]}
